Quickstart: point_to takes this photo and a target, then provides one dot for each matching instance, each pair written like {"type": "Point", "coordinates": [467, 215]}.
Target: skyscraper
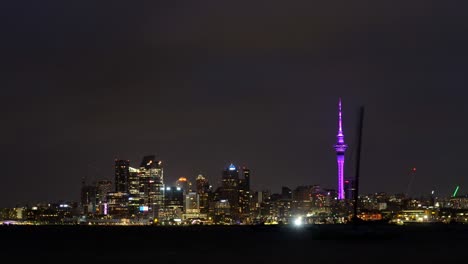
{"type": "Point", "coordinates": [230, 189]}
{"type": "Point", "coordinates": [88, 198]}
{"type": "Point", "coordinates": [152, 184]}
{"type": "Point", "coordinates": [174, 202]}
{"type": "Point", "coordinates": [349, 188]}
{"type": "Point", "coordinates": [246, 180]}
{"type": "Point", "coordinates": [185, 184]}
{"type": "Point", "coordinates": [121, 175]}
{"type": "Point", "coordinates": [245, 195]}
{"type": "Point", "coordinates": [103, 187]}
{"type": "Point", "coordinates": [203, 190]}
{"type": "Point", "coordinates": [340, 148]}
{"type": "Point", "coordinates": [134, 200]}
{"type": "Point", "coordinates": [203, 186]}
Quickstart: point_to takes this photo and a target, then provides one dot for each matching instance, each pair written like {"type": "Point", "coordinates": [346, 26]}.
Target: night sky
{"type": "Point", "coordinates": [201, 84]}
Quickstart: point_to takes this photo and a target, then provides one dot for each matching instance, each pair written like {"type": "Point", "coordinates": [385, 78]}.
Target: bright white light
{"type": "Point", "coordinates": [168, 188]}
{"type": "Point", "coordinates": [178, 188]}
{"type": "Point", "coordinates": [298, 221]}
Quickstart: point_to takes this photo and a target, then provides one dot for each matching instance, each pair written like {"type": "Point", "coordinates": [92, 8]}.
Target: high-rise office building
{"type": "Point", "coordinates": [121, 175]}
{"type": "Point", "coordinates": [192, 203]}
{"type": "Point", "coordinates": [245, 195]}
{"type": "Point", "coordinates": [340, 148]}
{"type": "Point", "coordinates": [134, 200]}
{"type": "Point", "coordinates": [152, 184]}
{"type": "Point", "coordinates": [103, 187]}
{"type": "Point", "coordinates": [88, 198]}
{"type": "Point", "coordinates": [230, 189]}
{"type": "Point", "coordinates": [349, 188]}
{"type": "Point", "coordinates": [117, 204]}
{"type": "Point", "coordinates": [203, 191]}
{"type": "Point", "coordinates": [174, 202]}
{"type": "Point", "coordinates": [202, 184]}
{"type": "Point", "coordinates": [185, 184]}
{"type": "Point", "coordinates": [134, 182]}
{"type": "Point", "coordinates": [246, 179]}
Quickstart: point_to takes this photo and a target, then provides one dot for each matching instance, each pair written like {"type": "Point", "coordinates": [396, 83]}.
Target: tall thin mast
{"type": "Point", "coordinates": [358, 162]}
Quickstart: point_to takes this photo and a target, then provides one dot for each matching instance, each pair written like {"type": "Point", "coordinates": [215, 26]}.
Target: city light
{"type": "Point", "coordinates": [232, 167]}
{"type": "Point", "coordinates": [298, 221]}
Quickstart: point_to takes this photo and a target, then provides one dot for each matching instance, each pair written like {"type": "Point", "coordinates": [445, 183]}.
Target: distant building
{"type": "Point", "coordinates": [152, 184]}
{"type": "Point", "coordinates": [246, 179]}
{"type": "Point", "coordinates": [174, 202]}
{"type": "Point", "coordinates": [222, 211]}
{"type": "Point", "coordinates": [117, 204]}
{"type": "Point", "coordinates": [192, 203]}
{"type": "Point", "coordinates": [103, 188]}
{"type": "Point", "coordinates": [245, 196]}
{"type": "Point", "coordinates": [204, 193]}
{"type": "Point", "coordinates": [134, 200]}
{"type": "Point", "coordinates": [134, 182]}
{"type": "Point", "coordinates": [230, 189]}
{"type": "Point", "coordinates": [185, 184]}
{"type": "Point", "coordinates": [88, 198]}
{"type": "Point", "coordinates": [349, 188]}
{"type": "Point", "coordinates": [121, 175]}
{"type": "Point", "coordinates": [286, 193]}
{"type": "Point", "coordinates": [202, 184]}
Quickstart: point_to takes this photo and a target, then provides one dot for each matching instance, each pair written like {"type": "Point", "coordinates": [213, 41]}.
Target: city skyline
{"type": "Point", "coordinates": [201, 86]}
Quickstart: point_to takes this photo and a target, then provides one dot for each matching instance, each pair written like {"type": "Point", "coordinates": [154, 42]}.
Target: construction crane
{"type": "Point", "coordinates": [456, 191]}
{"type": "Point", "coordinates": [413, 175]}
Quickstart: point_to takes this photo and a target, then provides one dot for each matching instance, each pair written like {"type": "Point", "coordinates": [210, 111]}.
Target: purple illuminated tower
{"type": "Point", "coordinates": [340, 148]}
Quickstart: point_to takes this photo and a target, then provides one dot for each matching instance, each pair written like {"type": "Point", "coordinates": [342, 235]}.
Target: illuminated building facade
{"type": "Point", "coordinates": [151, 182]}
{"type": "Point", "coordinates": [230, 189]}
{"type": "Point", "coordinates": [340, 149]}
{"type": "Point", "coordinates": [117, 204]}
{"type": "Point", "coordinates": [245, 195]}
{"type": "Point", "coordinates": [203, 186]}
{"type": "Point", "coordinates": [185, 184]}
{"type": "Point", "coordinates": [134, 200]}
{"type": "Point", "coordinates": [103, 188]}
{"type": "Point", "coordinates": [134, 182]}
{"type": "Point", "coordinates": [192, 203]}
{"type": "Point", "coordinates": [222, 211]}
{"type": "Point", "coordinates": [174, 202]}
{"type": "Point", "coordinates": [203, 191]}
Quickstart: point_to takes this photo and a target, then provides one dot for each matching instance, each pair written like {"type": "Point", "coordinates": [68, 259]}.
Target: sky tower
{"type": "Point", "coordinates": [340, 148]}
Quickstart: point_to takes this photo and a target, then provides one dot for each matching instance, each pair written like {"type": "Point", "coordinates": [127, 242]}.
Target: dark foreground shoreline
{"type": "Point", "coordinates": [237, 244]}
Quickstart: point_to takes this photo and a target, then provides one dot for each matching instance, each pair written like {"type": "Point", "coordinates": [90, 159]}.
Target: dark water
{"type": "Point", "coordinates": [236, 244]}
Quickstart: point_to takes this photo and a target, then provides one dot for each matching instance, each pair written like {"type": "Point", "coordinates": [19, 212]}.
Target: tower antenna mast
{"type": "Point", "coordinates": [340, 148]}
